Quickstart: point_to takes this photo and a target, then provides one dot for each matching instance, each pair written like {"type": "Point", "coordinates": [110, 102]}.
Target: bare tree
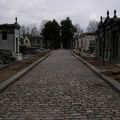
{"type": "Point", "coordinates": [43, 22]}
{"type": "Point", "coordinates": [25, 30]}
{"type": "Point", "coordinates": [79, 30]}
{"type": "Point", "coordinates": [31, 30]}
{"type": "Point", "coordinates": [41, 26]}
{"type": "Point", "coordinates": [22, 30]}
{"type": "Point", "coordinates": [92, 26]}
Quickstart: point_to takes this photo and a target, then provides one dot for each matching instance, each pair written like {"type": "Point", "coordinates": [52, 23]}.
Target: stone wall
{"type": "Point", "coordinates": [9, 43]}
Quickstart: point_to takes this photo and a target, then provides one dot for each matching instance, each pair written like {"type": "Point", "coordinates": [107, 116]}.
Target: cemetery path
{"type": "Point", "coordinates": [60, 88]}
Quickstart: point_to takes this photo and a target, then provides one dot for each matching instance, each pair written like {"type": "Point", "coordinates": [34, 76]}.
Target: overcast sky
{"type": "Point", "coordinates": [34, 11]}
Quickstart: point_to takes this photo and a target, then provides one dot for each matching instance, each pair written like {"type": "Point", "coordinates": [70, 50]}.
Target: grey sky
{"type": "Point", "coordinates": [34, 11]}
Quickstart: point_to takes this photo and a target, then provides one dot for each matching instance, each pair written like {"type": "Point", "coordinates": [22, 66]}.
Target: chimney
{"type": "Point", "coordinates": [16, 20]}
{"type": "Point", "coordinates": [101, 19]}
{"type": "Point", "coordinates": [108, 13]}
{"type": "Point", "coordinates": [115, 16]}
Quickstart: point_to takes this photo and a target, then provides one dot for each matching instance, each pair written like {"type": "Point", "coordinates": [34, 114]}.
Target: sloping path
{"type": "Point", "coordinates": [60, 88]}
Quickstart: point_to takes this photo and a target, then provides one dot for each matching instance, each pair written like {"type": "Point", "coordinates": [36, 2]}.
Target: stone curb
{"type": "Point", "coordinates": [113, 83]}
{"type": "Point", "coordinates": [18, 75]}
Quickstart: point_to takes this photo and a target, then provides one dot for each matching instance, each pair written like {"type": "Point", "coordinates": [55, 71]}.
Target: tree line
{"type": "Point", "coordinates": [57, 35]}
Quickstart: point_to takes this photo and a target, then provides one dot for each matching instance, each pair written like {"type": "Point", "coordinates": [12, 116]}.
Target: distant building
{"type": "Point", "coordinates": [9, 37]}
{"type": "Point", "coordinates": [108, 38]}
{"type": "Point", "coordinates": [25, 45]}
{"type": "Point", "coordinates": [85, 42]}
{"type": "Point", "coordinates": [36, 42]}
{"type": "Point", "coordinates": [27, 42]}
{"type": "Point", "coordinates": [75, 42]}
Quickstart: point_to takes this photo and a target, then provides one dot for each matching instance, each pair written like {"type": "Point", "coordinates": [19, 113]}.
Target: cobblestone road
{"type": "Point", "coordinates": [60, 88]}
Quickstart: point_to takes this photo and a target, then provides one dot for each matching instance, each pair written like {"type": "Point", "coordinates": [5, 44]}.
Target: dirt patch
{"type": "Point", "coordinates": [108, 69]}
{"type": "Point", "coordinates": [13, 68]}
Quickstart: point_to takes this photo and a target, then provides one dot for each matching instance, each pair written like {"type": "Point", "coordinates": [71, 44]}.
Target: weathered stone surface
{"type": "Point", "coordinates": [60, 88]}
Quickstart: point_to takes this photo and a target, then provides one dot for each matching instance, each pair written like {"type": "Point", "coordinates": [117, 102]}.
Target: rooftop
{"type": "Point", "coordinates": [10, 26]}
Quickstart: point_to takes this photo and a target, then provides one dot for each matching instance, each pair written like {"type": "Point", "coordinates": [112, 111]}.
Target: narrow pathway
{"type": "Point", "coordinates": [60, 88]}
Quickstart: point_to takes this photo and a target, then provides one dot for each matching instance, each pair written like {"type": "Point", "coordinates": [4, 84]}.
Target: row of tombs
{"type": "Point", "coordinates": [104, 42]}
{"type": "Point", "coordinates": [13, 43]}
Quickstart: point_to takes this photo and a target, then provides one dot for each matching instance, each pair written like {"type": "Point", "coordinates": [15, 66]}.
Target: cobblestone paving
{"type": "Point", "coordinates": [60, 88]}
